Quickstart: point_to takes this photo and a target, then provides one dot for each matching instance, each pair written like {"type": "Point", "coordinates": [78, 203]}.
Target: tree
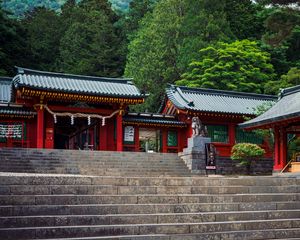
{"type": "Point", "coordinates": [243, 18]}
{"type": "Point", "coordinates": [283, 21]}
{"type": "Point", "coordinates": [137, 10]}
{"type": "Point", "coordinates": [13, 49]}
{"type": "Point", "coordinates": [90, 45]}
{"type": "Point", "coordinates": [246, 153]}
{"type": "Point", "coordinates": [238, 66]}
{"type": "Point", "coordinates": [168, 39]}
{"type": "Point", "coordinates": [44, 30]}
{"type": "Point", "coordinates": [292, 78]}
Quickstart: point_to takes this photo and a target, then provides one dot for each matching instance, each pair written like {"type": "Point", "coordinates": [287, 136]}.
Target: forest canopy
{"type": "Point", "coordinates": [235, 45]}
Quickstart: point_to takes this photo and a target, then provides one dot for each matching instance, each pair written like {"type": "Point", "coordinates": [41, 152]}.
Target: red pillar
{"type": "Point", "coordinates": [49, 138]}
{"type": "Point", "coordinates": [40, 127]}
{"type": "Point", "coordinates": [136, 139]}
{"type": "Point", "coordinates": [164, 140]}
{"type": "Point", "coordinates": [283, 148]}
{"type": "Point", "coordinates": [119, 133]}
{"type": "Point", "coordinates": [231, 134]}
{"type": "Point", "coordinates": [103, 138]}
{"type": "Point", "coordinates": [276, 150]}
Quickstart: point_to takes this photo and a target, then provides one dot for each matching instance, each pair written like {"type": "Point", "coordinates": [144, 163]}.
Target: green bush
{"type": "Point", "coordinates": [245, 153]}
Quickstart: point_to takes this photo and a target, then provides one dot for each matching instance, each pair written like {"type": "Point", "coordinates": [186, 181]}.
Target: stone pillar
{"type": "Point", "coordinates": [194, 155]}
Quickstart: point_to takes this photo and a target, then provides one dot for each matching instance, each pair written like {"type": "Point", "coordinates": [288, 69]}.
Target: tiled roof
{"type": "Point", "coordinates": [219, 101]}
{"type": "Point", "coordinates": [149, 118]}
{"type": "Point", "coordinates": [5, 89]}
{"type": "Point", "coordinates": [58, 82]}
{"type": "Point", "coordinates": [11, 110]}
{"type": "Point", "coordinates": [287, 107]}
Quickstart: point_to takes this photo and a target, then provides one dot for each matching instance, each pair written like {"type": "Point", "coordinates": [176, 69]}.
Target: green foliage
{"type": "Point", "coordinates": [90, 44]}
{"type": "Point", "coordinates": [43, 27]}
{"type": "Point", "coordinates": [168, 39]}
{"type": "Point", "coordinates": [245, 153]}
{"type": "Point", "coordinates": [20, 7]}
{"type": "Point", "coordinates": [13, 49]}
{"type": "Point", "coordinates": [238, 66]}
{"type": "Point", "coordinates": [244, 19]}
{"type": "Point", "coordinates": [292, 78]}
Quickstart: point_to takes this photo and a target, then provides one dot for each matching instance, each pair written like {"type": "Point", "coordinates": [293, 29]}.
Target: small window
{"type": "Point", "coordinates": [172, 139]}
{"type": "Point", "coordinates": [242, 136]}
{"type": "Point", "coordinates": [218, 133]}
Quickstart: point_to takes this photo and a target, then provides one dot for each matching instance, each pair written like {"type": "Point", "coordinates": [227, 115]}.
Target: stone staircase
{"type": "Point", "coordinates": [49, 206]}
{"type": "Point", "coordinates": [137, 196]}
{"type": "Point", "coordinates": [91, 162]}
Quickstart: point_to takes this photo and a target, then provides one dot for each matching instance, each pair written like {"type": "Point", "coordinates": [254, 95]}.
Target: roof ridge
{"type": "Point", "coordinates": [4, 78]}
{"type": "Point", "coordinates": [22, 70]}
{"type": "Point", "coordinates": [289, 90]}
{"type": "Point", "coordinates": [227, 92]}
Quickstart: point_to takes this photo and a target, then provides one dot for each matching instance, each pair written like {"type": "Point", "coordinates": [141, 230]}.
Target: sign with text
{"type": "Point", "coordinates": [11, 130]}
{"type": "Point", "coordinates": [129, 134]}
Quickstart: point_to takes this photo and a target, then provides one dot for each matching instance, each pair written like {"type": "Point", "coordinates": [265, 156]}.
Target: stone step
{"type": "Point", "coordinates": [144, 199]}
{"type": "Point", "coordinates": [58, 179]}
{"type": "Point", "coordinates": [76, 220]}
{"type": "Point", "coordinates": [137, 229]}
{"type": "Point", "coordinates": [104, 209]}
{"type": "Point", "coordinates": [268, 234]}
{"type": "Point", "coordinates": [130, 190]}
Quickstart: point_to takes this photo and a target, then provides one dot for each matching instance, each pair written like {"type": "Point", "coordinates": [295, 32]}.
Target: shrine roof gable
{"type": "Point", "coordinates": [286, 108]}
{"type": "Point", "coordinates": [79, 84]}
{"type": "Point", "coordinates": [217, 101]}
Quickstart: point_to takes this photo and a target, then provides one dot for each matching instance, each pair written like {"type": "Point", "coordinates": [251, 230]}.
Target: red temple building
{"type": "Point", "coordinates": [284, 119]}
{"type": "Point", "coordinates": [53, 110]}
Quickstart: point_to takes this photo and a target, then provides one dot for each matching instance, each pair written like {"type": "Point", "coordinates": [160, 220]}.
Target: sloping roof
{"type": "Point", "coordinates": [5, 89]}
{"type": "Point", "coordinates": [11, 110]}
{"type": "Point", "coordinates": [59, 82]}
{"type": "Point", "coordinates": [287, 107]}
{"type": "Point", "coordinates": [219, 101]}
{"type": "Point", "coordinates": [153, 119]}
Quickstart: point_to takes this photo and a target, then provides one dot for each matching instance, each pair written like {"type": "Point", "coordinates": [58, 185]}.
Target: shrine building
{"type": "Point", "coordinates": [284, 119]}
{"type": "Point", "coordinates": [53, 110]}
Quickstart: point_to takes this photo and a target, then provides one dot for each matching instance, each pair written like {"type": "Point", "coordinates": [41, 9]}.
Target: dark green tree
{"type": "Point", "coordinates": [13, 49]}
{"type": "Point", "coordinates": [44, 30]}
{"type": "Point", "coordinates": [90, 44]}
{"type": "Point", "coordinates": [238, 66]}
{"type": "Point", "coordinates": [168, 39]}
{"type": "Point", "coordinates": [244, 19]}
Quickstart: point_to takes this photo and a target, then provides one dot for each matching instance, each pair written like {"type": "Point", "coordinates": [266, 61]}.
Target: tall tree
{"type": "Point", "coordinates": [13, 49]}
{"type": "Point", "coordinates": [44, 29]}
{"type": "Point", "coordinates": [244, 19]}
{"type": "Point", "coordinates": [90, 44]}
{"type": "Point", "coordinates": [137, 10]}
{"type": "Point", "coordinates": [283, 21]}
{"type": "Point", "coordinates": [168, 39]}
{"type": "Point", "coordinates": [239, 66]}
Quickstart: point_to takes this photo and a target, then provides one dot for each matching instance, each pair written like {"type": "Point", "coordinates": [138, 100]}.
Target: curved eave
{"type": "Point", "coordinates": [266, 123]}
{"type": "Point", "coordinates": [54, 90]}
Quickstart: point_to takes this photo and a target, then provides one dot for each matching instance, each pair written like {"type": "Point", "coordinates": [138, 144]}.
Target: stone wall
{"type": "Point", "coordinates": [260, 167]}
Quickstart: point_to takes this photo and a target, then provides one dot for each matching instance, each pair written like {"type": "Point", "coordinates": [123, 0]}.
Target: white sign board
{"type": "Point", "coordinates": [129, 134]}
{"type": "Point", "coordinates": [10, 131]}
